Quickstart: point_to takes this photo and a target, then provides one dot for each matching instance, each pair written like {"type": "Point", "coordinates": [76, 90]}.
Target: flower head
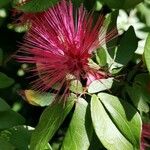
{"type": "Point", "coordinates": [60, 42]}
{"type": "Point", "coordinates": [145, 136]}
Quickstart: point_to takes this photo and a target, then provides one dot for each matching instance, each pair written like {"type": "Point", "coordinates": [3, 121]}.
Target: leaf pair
{"type": "Point", "coordinates": [116, 123]}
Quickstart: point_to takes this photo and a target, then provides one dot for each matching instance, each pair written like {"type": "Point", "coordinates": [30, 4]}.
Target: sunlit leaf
{"type": "Point", "coordinates": [101, 57]}
{"type": "Point", "coordinates": [107, 132]}
{"type": "Point", "coordinates": [79, 133]}
{"type": "Point", "coordinates": [143, 13]}
{"type": "Point", "coordinates": [125, 117]}
{"type": "Point", "coordinates": [76, 86]}
{"type": "Point", "coordinates": [100, 85]}
{"type": "Point", "coordinates": [50, 121]}
{"type": "Point", "coordinates": [39, 99]}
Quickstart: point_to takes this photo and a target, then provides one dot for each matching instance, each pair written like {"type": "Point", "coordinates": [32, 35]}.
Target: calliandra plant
{"type": "Point", "coordinates": [60, 42]}
{"type": "Point", "coordinates": [96, 93]}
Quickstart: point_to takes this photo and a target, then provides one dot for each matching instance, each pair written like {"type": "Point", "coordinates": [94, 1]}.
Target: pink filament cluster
{"type": "Point", "coordinates": [60, 42]}
{"type": "Point", "coordinates": [145, 137]}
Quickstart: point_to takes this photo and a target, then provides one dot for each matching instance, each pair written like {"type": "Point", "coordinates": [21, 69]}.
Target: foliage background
{"type": "Point", "coordinates": [13, 76]}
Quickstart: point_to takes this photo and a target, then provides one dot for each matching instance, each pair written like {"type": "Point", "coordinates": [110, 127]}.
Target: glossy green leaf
{"type": "Point", "coordinates": [101, 57]}
{"type": "Point", "coordinates": [125, 117]}
{"type": "Point", "coordinates": [5, 81]}
{"type": "Point", "coordinates": [100, 85]}
{"type": "Point", "coordinates": [79, 133]}
{"type": "Point", "coordinates": [107, 132]}
{"type": "Point", "coordinates": [50, 121]}
{"type": "Point", "coordinates": [128, 45]}
{"type": "Point", "coordinates": [147, 53]}
{"type": "Point", "coordinates": [122, 4]}
{"type": "Point", "coordinates": [9, 119]}
{"type": "Point", "coordinates": [34, 5]}
{"type": "Point", "coordinates": [39, 99]}
{"type": "Point", "coordinates": [3, 105]}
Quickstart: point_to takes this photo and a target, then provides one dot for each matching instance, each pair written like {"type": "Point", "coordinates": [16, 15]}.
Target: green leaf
{"type": "Point", "coordinates": [3, 105]}
{"type": "Point", "coordinates": [79, 133]}
{"type": "Point", "coordinates": [34, 5]}
{"type": "Point", "coordinates": [4, 145]}
{"type": "Point", "coordinates": [138, 98]}
{"type": "Point", "coordinates": [101, 56]}
{"type": "Point", "coordinates": [147, 53]}
{"type": "Point", "coordinates": [122, 4]}
{"type": "Point", "coordinates": [50, 121]}
{"type": "Point", "coordinates": [143, 13]}
{"type": "Point", "coordinates": [39, 99]}
{"type": "Point", "coordinates": [128, 45]}
{"type": "Point", "coordinates": [111, 24]}
{"type": "Point", "coordinates": [140, 92]}
{"type": "Point", "coordinates": [76, 86]}
{"type": "Point", "coordinates": [125, 117]}
{"type": "Point", "coordinates": [105, 129]}
{"type": "Point", "coordinates": [18, 136]}
{"type": "Point", "coordinates": [5, 81]}
{"type": "Point", "coordinates": [1, 56]}
{"type": "Point", "coordinates": [9, 119]}
{"type": "Point", "coordinates": [100, 85]}
{"type": "Point", "coordinates": [142, 81]}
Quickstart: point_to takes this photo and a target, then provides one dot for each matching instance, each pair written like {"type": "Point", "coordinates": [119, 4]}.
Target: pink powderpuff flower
{"type": "Point", "coordinates": [145, 136]}
{"type": "Point", "coordinates": [60, 42]}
